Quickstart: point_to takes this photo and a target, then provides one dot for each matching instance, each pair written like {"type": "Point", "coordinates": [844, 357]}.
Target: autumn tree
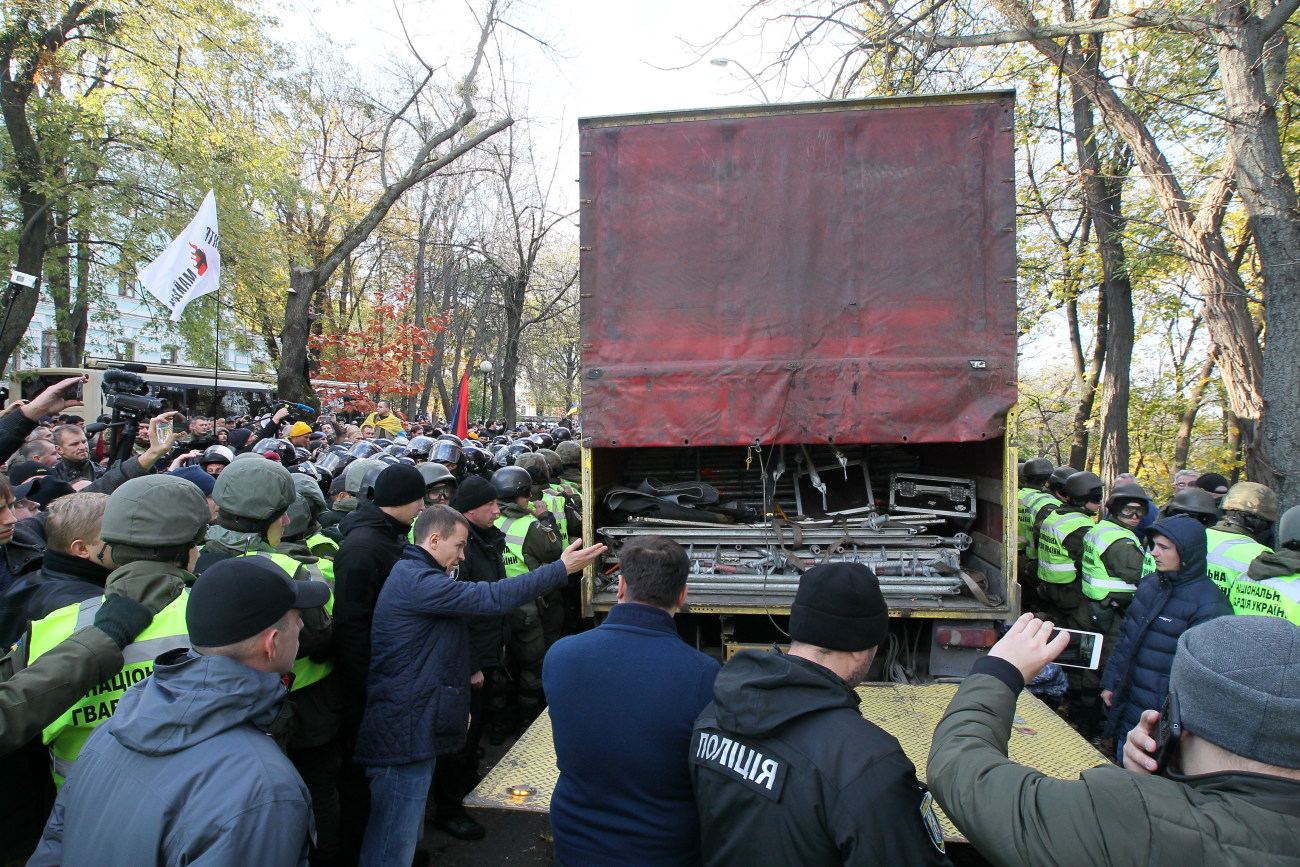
{"type": "Point", "coordinates": [432, 146]}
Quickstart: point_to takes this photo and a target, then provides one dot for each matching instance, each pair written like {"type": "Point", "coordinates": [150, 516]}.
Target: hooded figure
{"type": "Point", "coordinates": [1165, 606]}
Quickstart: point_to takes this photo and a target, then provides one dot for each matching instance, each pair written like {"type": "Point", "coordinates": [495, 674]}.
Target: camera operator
{"type": "Point", "coordinates": [1229, 794]}
{"type": "Point", "coordinates": [15, 426]}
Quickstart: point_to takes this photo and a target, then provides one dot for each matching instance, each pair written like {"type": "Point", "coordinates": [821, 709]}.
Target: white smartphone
{"type": "Point", "coordinates": [1083, 651]}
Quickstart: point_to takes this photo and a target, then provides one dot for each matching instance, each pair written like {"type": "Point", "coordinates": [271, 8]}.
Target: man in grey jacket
{"type": "Point", "coordinates": [183, 772]}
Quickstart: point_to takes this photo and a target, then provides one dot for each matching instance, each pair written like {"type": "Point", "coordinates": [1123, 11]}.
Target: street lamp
{"type": "Point", "coordinates": [724, 61]}
{"type": "Point", "coordinates": [485, 368]}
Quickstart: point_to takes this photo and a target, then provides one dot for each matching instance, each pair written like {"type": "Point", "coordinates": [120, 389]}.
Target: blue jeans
{"type": "Point", "coordinates": [397, 798]}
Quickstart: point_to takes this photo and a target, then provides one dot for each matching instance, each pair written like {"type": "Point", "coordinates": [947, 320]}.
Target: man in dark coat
{"type": "Point", "coordinates": [374, 536]}
{"type": "Point", "coordinates": [785, 769]}
{"type": "Point", "coordinates": [1177, 597]}
{"type": "Point", "coordinates": [417, 702]}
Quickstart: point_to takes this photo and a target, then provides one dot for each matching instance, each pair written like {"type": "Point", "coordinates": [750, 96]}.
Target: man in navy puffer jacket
{"type": "Point", "coordinates": [417, 698]}
{"type": "Point", "coordinates": [1177, 597]}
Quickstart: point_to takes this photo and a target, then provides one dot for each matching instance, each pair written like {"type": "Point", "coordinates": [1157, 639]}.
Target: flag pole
{"type": "Point", "coordinates": [216, 362]}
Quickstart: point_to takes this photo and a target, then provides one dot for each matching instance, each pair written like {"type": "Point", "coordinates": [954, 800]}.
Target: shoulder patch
{"type": "Point", "coordinates": [739, 761]}
{"type": "Point", "coordinates": [931, 820]}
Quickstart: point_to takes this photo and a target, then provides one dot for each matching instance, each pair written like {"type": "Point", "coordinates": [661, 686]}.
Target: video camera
{"type": "Point", "coordinates": [128, 395]}
{"type": "Point", "coordinates": [296, 410]}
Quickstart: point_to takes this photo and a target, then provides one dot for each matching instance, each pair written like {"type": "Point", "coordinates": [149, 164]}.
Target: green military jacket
{"type": "Point", "coordinates": [34, 694]}
{"type": "Point", "coordinates": [1016, 815]}
{"type": "Point", "coordinates": [541, 544]}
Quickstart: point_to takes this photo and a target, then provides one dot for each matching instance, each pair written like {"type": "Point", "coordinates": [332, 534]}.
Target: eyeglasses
{"type": "Point", "coordinates": [1132, 512]}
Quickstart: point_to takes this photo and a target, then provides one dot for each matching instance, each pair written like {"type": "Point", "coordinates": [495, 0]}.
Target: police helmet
{"type": "Point", "coordinates": [1195, 502]}
{"type": "Point", "coordinates": [511, 483]}
{"type": "Point", "coordinates": [364, 449]}
{"type": "Point", "coordinates": [386, 458]}
{"type": "Point", "coordinates": [283, 450]}
{"type": "Point", "coordinates": [1125, 492]}
{"type": "Point", "coordinates": [309, 469]}
{"type": "Point", "coordinates": [477, 459]}
{"type": "Point", "coordinates": [1253, 499]}
{"type": "Point", "coordinates": [217, 455]}
{"type": "Point", "coordinates": [382, 443]}
{"type": "Point", "coordinates": [1058, 477]}
{"type": "Point", "coordinates": [570, 452]}
{"type": "Point", "coordinates": [398, 450]}
{"type": "Point", "coordinates": [366, 491]}
{"type": "Point", "coordinates": [447, 450]}
{"type": "Point", "coordinates": [419, 447]}
{"type": "Point", "coordinates": [500, 440]}
{"type": "Point", "coordinates": [554, 465]}
{"type": "Point", "coordinates": [1288, 529]}
{"type": "Point", "coordinates": [560, 434]}
{"type": "Point", "coordinates": [1036, 471]}
{"type": "Point", "coordinates": [331, 459]}
{"type": "Point", "coordinates": [436, 474]}
{"type": "Point", "coordinates": [1082, 488]}
{"type": "Point", "coordinates": [356, 471]}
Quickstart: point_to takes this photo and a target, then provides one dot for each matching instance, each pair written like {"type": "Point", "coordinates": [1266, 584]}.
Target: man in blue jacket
{"type": "Point", "coordinates": [1177, 597]}
{"type": "Point", "coordinates": [624, 698]}
{"type": "Point", "coordinates": [183, 772]}
{"type": "Point", "coordinates": [417, 698]}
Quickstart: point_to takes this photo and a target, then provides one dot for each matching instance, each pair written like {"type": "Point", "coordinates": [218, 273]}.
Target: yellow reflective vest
{"type": "Point", "coordinates": [1229, 555]}
{"type": "Point", "coordinates": [515, 530]}
{"type": "Point", "coordinates": [67, 734]}
{"type": "Point", "coordinates": [1098, 583]}
{"type": "Point", "coordinates": [306, 671]}
{"type": "Point", "coordinates": [1055, 565]}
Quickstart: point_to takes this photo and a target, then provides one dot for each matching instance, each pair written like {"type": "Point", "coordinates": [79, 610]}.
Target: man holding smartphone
{"type": "Point", "coordinates": [1229, 796]}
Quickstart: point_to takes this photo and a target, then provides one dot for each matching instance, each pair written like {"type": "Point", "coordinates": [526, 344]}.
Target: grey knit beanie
{"type": "Point", "coordinates": [1238, 685]}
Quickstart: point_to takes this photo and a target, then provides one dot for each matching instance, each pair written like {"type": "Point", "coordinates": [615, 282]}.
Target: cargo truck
{"type": "Point", "coordinates": [799, 346]}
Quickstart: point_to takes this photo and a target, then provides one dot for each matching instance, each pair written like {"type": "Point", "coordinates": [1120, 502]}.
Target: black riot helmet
{"type": "Point", "coordinates": [1058, 477]}
{"type": "Point", "coordinates": [419, 447]}
{"type": "Point", "coordinates": [560, 434]}
{"type": "Point", "coordinates": [1195, 502]}
{"type": "Point", "coordinates": [1082, 488]}
{"type": "Point", "coordinates": [447, 450]}
{"type": "Point", "coordinates": [1036, 471]}
{"type": "Point", "coordinates": [1124, 493]}
{"type": "Point", "coordinates": [512, 482]}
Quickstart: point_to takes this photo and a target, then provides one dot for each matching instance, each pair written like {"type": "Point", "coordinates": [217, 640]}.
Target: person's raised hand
{"type": "Point", "coordinates": [1027, 646]}
{"type": "Point", "coordinates": [1140, 747]}
{"type": "Point", "coordinates": [576, 558]}
{"type": "Point", "coordinates": [54, 399]}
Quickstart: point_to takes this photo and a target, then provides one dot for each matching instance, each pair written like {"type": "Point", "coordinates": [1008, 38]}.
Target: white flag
{"type": "Point", "coordinates": [191, 264]}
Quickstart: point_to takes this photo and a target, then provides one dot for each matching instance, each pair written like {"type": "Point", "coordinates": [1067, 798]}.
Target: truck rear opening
{"type": "Point", "coordinates": [799, 346]}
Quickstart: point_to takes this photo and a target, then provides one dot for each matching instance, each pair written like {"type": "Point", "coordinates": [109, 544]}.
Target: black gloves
{"type": "Point", "coordinates": [122, 619]}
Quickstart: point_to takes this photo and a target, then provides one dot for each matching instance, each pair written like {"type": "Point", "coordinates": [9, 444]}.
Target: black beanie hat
{"type": "Point", "coordinates": [475, 491]}
{"type": "Point", "coordinates": [839, 606]}
{"type": "Point", "coordinates": [399, 485]}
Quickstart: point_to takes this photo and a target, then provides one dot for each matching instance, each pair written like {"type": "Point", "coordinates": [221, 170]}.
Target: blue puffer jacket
{"type": "Point", "coordinates": [1165, 606]}
{"type": "Point", "coordinates": [417, 697]}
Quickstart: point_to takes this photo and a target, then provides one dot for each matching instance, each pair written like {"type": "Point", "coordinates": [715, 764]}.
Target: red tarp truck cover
{"type": "Point", "coordinates": [839, 271]}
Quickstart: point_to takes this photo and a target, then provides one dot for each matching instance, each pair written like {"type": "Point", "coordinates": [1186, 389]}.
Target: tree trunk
{"type": "Point", "coordinates": [514, 296]}
{"type": "Point", "coordinates": [1183, 441]}
{"type": "Point", "coordinates": [1199, 237]}
{"type": "Point", "coordinates": [1269, 196]}
{"type": "Point", "coordinates": [1103, 194]}
{"type": "Point", "coordinates": [1088, 375]}
{"type": "Point", "coordinates": [292, 383]}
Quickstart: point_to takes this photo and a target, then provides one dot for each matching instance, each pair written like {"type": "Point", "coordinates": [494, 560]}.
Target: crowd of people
{"type": "Point", "coordinates": [304, 553]}
{"type": "Point", "coordinates": [283, 641]}
{"type": "Point", "coordinates": [1112, 561]}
